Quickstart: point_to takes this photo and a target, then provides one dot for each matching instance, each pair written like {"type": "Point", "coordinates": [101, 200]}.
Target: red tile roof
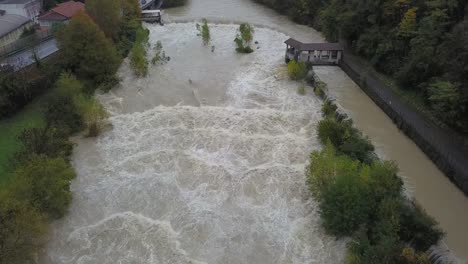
{"type": "Point", "coordinates": [63, 11]}
{"type": "Point", "coordinates": [52, 16]}
{"type": "Point", "coordinates": [69, 9]}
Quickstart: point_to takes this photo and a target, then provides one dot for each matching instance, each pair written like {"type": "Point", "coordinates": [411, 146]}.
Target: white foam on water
{"type": "Point", "coordinates": [220, 183]}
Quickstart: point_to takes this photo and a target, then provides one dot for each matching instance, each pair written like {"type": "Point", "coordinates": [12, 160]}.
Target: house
{"type": "Point", "coordinates": [25, 8]}
{"type": "Point", "coordinates": [12, 26]}
{"type": "Point", "coordinates": [61, 13]}
{"type": "Point", "coordinates": [315, 53]}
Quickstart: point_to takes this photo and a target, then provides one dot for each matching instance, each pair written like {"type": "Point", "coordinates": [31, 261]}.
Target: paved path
{"type": "Point", "coordinates": [25, 58]}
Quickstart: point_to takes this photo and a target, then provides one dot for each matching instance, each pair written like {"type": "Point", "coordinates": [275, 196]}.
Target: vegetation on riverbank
{"type": "Point", "coordinates": [138, 53]}
{"type": "Point", "coordinates": [423, 45]}
{"type": "Point", "coordinates": [362, 197]}
{"type": "Point", "coordinates": [36, 185]}
{"type": "Point", "coordinates": [244, 38]}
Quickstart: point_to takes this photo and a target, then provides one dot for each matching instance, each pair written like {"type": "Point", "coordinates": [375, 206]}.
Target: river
{"type": "Point", "coordinates": [205, 159]}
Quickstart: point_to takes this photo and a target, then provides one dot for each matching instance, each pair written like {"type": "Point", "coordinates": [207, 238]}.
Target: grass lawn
{"type": "Point", "coordinates": [10, 128]}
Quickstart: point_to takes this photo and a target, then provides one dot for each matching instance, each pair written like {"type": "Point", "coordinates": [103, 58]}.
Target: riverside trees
{"type": "Point", "coordinates": [362, 196]}
{"type": "Point", "coordinates": [421, 44]}
{"type": "Point", "coordinates": [86, 51]}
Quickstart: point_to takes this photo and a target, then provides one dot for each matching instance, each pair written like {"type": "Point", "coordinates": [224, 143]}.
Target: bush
{"type": "Point", "coordinates": [297, 70]}
{"type": "Point", "coordinates": [138, 59]}
{"type": "Point", "coordinates": [244, 38]}
{"type": "Point", "coordinates": [19, 88]}
{"type": "Point", "coordinates": [204, 30]}
{"type": "Point", "coordinates": [344, 137]}
{"type": "Point", "coordinates": [21, 226]}
{"type": "Point", "coordinates": [330, 129]}
{"type": "Point", "coordinates": [446, 100]}
{"type": "Point", "coordinates": [345, 204]}
{"type": "Point", "coordinates": [418, 228]}
{"type": "Point", "coordinates": [159, 54]}
{"type": "Point", "coordinates": [319, 89]}
{"type": "Point", "coordinates": [45, 183]}
{"type": "Point", "coordinates": [47, 141]}
{"type": "Point", "coordinates": [92, 114]}
{"type": "Point", "coordinates": [329, 109]}
{"type": "Point", "coordinates": [324, 166]}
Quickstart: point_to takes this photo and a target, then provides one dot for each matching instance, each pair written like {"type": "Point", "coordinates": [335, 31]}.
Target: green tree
{"type": "Point", "coordinates": [297, 70]}
{"type": "Point", "coordinates": [244, 38]}
{"type": "Point", "coordinates": [21, 227]}
{"type": "Point", "coordinates": [446, 100]}
{"type": "Point", "coordinates": [45, 183]}
{"type": "Point", "coordinates": [87, 52]}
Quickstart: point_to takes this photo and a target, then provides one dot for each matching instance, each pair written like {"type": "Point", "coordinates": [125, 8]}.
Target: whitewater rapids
{"type": "Point", "coordinates": [209, 170]}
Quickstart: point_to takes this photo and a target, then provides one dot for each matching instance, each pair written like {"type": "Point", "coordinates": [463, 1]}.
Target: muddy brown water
{"type": "Point", "coordinates": [205, 160]}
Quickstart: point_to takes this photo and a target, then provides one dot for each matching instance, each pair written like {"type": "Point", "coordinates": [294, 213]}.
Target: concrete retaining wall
{"type": "Point", "coordinates": [445, 148]}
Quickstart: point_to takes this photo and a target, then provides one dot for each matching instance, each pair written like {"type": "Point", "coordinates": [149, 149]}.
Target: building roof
{"type": "Point", "coordinates": [312, 46]}
{"type": "Point", "coordinates": [52, 16]}
{"type": "Point", "coordinates": [63, 11]}
{"type": "Point", "coordinates": [9, 23]}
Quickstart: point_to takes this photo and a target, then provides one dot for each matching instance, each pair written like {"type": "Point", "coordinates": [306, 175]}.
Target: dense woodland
{"type": "Point", "coordinates": [421, 44]}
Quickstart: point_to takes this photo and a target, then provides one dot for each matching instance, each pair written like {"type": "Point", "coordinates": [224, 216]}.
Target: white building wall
{"type": "Point", "coordinates": [30, 9]}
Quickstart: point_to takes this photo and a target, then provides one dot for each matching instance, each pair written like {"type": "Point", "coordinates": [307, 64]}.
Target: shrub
{"type": "Point", "coordinates": [138, 59]}
{"type": "Point", "coordinates": [345, 204]}
{"type": "Point", "coordinates": [45, 183]}
{"type": "Point", "coordinates": [344, 137]}
{"type": "Point", "coordinates": [446, 100]}
{"type": "Point", "coordinates": [204, 30]}
{"type": "Point", "coordinates": [60, 109]}
{"type": "Point", "coordinates": [21, 225]}
{"type": "Point", "coordinates": [92, 113]}
{"type": "Point", "coordinates": [47, 141]}
{"type": "Point", "coordinates": [418, 228]}
{"type": "Point", "coordinates": [301, 90]}
{"type": "Point", "coordinates": [244, 38]}
{"type": "Point", "coordinates": [159, 54]}
{"type": "Point", "coordinates": [329, 109]}
{"type": "Point", "coordinates": [319, 89]}
{"type": "Point", "coordinates": [330, 129]}
{"type": "Point", "coordinates": [297, 70]}
{"type": "Point", "coordinates": [324, 166]}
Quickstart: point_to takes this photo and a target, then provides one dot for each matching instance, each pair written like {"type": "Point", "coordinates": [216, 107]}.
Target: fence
{"type": "Point", "coordinates": [26, 42]}
{"type": "Point", "coordinates": [444, 147]}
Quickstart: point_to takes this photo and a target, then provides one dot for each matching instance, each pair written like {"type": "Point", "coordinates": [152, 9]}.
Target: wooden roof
{"type": "Point", "coordinates": [312, 46]}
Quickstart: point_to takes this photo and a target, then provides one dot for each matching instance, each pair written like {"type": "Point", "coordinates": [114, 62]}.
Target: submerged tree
{"type": "Point", "coordinates": [204, 30]}
{"type": "Point", "coordinates": [244, 38]}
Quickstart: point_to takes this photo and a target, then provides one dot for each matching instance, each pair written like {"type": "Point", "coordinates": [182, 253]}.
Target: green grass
{"type": "Point", "coordinates": [30, 116]}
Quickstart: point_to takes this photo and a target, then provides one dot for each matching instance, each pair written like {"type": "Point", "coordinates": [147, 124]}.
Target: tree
{"type": "Point", "coordinates": [87, 52]}
{"type": "Point", "coordinates": [118, 19]}
{"type": "Point", "coordinates": [21, 226]}
{"type": "Point", "coordinates": [244, 38]}
{"type": "Point", "coordinates": [107, 14]}
{"type": "Point", "coordinates": [45, 183]}
{"type": "Point", "coordinates": [446, 100]}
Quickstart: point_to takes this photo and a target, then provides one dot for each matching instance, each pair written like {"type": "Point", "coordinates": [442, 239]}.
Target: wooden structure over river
{"type": "Point", "coordinates": [315, 53]}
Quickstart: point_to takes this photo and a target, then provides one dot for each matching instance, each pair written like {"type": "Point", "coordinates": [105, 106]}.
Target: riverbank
{"type": "Point", "coordinates": [443, 147]}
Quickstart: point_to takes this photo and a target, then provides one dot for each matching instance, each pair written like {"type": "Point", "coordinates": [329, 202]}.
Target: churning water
{"type": "Point", "coordinates": [204, 164]}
